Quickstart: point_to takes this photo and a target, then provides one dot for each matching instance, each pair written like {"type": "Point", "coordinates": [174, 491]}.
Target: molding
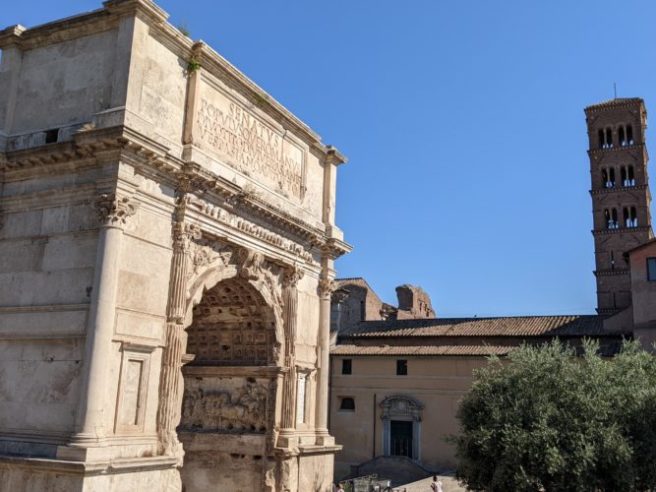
{"type": "Point", "coordinates": [620, 230]}
{"type": "Point", "coordinates": [237, 371]}
{"type": "Point", "coordinates": [45, 308]}
{"type": "Point", "coordinates": [58, 31]}
{"type": "Point", "coordinates": [628, 189]}
{"type": "Point", "coordinates": [617, 272]}
{"type": "Point", "coordinates": [143, 154]}
{"type": "Point", "coordinates": [92, 468]}
{"type": "Point", "coordinates": [597, 153]}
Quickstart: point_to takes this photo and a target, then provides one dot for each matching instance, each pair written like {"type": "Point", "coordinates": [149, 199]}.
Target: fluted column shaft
{"type": "Point", "coordinates": [113, 213]}
{"type": "Point", "coordinates": [169, 393]}
{"type": "Point", "coordinates": [325, 289]}
{"type": "Point", "coordinates": [289, 384]}
{"type": "Point", "coordinates": [290, 280]}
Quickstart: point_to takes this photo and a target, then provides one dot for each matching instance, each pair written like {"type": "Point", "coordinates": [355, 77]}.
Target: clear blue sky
{"type": "Point", "coordinates": [463, 122]}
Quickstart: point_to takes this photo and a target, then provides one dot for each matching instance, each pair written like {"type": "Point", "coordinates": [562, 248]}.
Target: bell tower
{"type": "Point", "coordinates": [620, 194]}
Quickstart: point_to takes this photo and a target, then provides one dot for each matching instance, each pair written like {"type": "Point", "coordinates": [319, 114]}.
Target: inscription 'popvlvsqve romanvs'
{"type": "Point", "coordinates": [254, 147]}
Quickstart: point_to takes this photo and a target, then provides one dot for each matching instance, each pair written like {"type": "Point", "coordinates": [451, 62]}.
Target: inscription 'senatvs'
{"type": "Point", "coordinates": [254, 147]}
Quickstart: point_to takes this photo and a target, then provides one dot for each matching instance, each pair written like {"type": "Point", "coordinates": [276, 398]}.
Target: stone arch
{"type": "Point", "coordinates": [234, 330]}
{"type": "Point", "coordinates": [232, 325]}
{"type": "Point", "coordinates": [217, 272]}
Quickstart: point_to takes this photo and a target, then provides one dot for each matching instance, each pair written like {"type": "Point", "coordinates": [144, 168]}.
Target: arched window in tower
{"type": "Point", "coordinates": [623, 175]}
{"type": "Point", "coordinates": [610, 217]}
{"type": "Point", "coordinates": [609, 138]}
{"type": "Point", "coordinates": [621, 136]}
{"type": "Point", "coordinates": [626, 216]}
{"type": "Point", "coordinates": [610, 178]}
{"type": "Point", "coordinates": [602, 140]}
{"type": "Point", "coordinates": [630, 176]}
{"type": "Point", "coordinates": [633, 217]}
{"type": "Point", "coordinates": [629, 134]}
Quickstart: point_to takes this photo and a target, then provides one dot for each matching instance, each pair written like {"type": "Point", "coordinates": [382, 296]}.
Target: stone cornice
{"type": "Point", "coordinates": [335, 248]}
{"type": "Point", "coordinates": [142, 152]}
{"type": "Point", "coordinates": [86, 144]}
{"type": "Point", "coordinates": [597, 152]}
{"type": "Point", "coordinates": [57, 31]}
{"type": "Point", "coordinates": [617, 272]}
{"type": "Point", "coordinates": [218, 66]}
{"type": "Point", "coordinates": [145, 8]}
{"type": "Point", "coordinates": [625, 230]}
{"type": "Point", "coordinates": [616, 189]}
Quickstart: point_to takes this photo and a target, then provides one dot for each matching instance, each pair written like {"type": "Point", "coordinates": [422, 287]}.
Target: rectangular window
{"type": "Point", "coordinates": [346, 366]}
{"type": "Point", "coordinates": [401, 367]}
{"type": "Point", "coordinates": [347, 403]}
{"type": "Point", "coordinates": [651, 269]}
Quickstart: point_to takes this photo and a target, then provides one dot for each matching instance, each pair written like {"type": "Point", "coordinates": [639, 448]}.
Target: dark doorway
{"type": "Point", "coordinates": [401, 438]}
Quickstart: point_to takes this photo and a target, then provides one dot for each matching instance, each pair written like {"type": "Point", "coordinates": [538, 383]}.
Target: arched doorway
{"type": "Point", "coordinates": [401, 416]}
{"type": "Point", "coordinates": [229, 400]}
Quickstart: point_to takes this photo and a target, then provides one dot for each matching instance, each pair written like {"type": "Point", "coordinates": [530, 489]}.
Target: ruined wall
{"type": "Point", "coordinates": [414, 303]}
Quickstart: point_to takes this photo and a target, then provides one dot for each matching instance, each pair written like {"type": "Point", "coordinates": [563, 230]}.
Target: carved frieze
{"type": "Point", "coordinates": [249, 227]}
{"type": "Point", "coordinates": [114, 210]}
{"type": "Point", "coordinates": [240, 410]}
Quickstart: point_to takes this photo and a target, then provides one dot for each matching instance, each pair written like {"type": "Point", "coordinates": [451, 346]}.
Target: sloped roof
{"type": "Point", "coordinates": [618, 101]}
{"type": "Point", "coordinates": [400, 350]}
{"type": "Point", "coordinates": [520, 326]}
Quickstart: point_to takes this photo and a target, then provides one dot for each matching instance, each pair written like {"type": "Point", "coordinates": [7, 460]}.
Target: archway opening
{"type": "Point", "coordinates": [228, 408]}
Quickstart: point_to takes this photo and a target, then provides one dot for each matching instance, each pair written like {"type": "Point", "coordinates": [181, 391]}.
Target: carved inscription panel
{"type": "Point", "coordinates": [250, 145]}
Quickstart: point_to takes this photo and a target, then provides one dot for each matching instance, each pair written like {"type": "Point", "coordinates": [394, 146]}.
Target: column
{"type": "Point", "coordinates": [170, 394]}
{"type": "Point", "coordinates": [290, 299]}
{"type": "Point", "coordinates": [326, 287]}
{"type": "Point", "coordinates": [113, 212]}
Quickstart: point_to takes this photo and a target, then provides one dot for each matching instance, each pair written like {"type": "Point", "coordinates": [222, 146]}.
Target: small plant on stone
{"type": "Point", "coordinates": [193, 65]}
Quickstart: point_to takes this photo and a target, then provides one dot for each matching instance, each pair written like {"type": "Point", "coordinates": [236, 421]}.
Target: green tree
{"type": "Point", "coordinates": [548, 420]}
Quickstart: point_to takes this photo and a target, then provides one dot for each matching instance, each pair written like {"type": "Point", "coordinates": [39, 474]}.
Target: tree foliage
{"type": "Point", "coordinates": [548, 420]}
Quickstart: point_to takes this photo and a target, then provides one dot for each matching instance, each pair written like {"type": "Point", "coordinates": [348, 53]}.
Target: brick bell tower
{"type": "Point", "coordinates": [620, 194]}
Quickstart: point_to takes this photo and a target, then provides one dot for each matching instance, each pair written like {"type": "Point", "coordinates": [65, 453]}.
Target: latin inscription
{"type": "Point", "coordinates": [255, 148]}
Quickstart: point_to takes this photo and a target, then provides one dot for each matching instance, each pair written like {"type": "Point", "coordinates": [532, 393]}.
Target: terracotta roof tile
{"type": "Point", "coordinates": [618, 101]}
{"type": "Point", "coordinates": [396, 350]}
{"type": "Point", "coordinates": [587, 325]}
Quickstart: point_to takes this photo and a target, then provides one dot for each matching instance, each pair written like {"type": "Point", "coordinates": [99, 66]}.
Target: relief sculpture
{"type": "Point", "coordinates": [240, 410]}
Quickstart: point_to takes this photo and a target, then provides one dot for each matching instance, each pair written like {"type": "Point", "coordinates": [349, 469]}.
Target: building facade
{"type": "Point", "coordinates": [398, 375]}
{"type": "Point", "coordinates": [166, 261]}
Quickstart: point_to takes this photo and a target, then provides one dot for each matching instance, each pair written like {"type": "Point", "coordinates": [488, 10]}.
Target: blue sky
{"type": "Point", "coordinates": [463, 123]}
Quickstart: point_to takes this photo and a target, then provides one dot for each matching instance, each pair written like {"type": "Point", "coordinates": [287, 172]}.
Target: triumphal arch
{"type": "Point", "coordinates": [167, 240]}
